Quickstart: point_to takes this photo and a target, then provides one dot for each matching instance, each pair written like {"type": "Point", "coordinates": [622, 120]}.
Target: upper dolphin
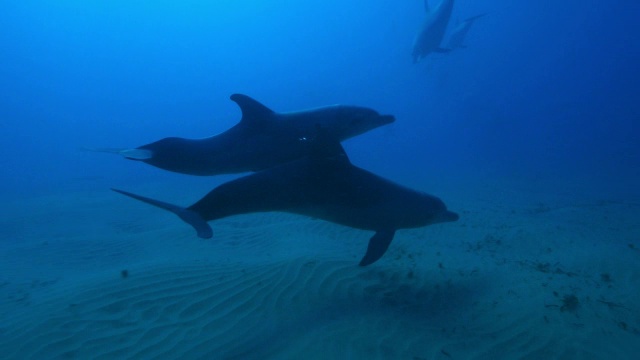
{"type": "Point", "coordinates": [432, 31]}
{"type": "Point", "coordinates": [323, 185]}
{"type": "Point", "coordinates": [262, 139]}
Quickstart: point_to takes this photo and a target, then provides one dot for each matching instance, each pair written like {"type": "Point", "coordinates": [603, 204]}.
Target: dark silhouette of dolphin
{"type": "Point", "coordinates": [323, 185]}
{"type": "Point", "coordinates": [261, 140]}
{"type": "Point", "coordinates": [432, 31]}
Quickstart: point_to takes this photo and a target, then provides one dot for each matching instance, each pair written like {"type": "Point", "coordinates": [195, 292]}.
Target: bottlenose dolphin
{"type": "Point", "coordinates": [262, 139]}
{"type": "Point", "coordinates": [323, 185]}
{"type": "Point", "coordinates": [432, 31]}
{"type": "Point", "coordinates": [459, 33]}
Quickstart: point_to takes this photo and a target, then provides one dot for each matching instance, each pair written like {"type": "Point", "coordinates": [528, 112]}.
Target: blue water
{"type": "Point", "coordinates": [543, 91]}
{"type": "Point", "coordinates": [545, 97]}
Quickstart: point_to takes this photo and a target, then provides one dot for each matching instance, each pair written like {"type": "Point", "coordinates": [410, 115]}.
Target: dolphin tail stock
{"type": "Point", "coordinates": [189, 216]}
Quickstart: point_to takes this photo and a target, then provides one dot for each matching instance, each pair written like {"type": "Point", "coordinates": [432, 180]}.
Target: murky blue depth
{"type": "Point", "coordinates": [543, 99]}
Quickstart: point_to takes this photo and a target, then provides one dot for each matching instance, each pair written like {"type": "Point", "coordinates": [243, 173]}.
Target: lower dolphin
{"type": "Point", "coordinates": [262, 139]}
{"type": "Point", "coordinates": [324, 185]}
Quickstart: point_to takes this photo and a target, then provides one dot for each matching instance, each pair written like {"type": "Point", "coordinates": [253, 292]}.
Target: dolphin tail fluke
{"type": "Point", "coordinates": [378, 245]}
{"type": "Point", "coordinates": [474, 18]}
{"type": "Point", "coordinates": [102, 150]}
{"type": "Point", "coordinates": [189, 216]}
{"type": "Point", "coordinates": [442, 50]}
{"type": "Point", "coordinates": [133, 154]}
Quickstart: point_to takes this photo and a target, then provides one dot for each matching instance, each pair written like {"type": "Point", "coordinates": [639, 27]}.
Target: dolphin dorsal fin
{"type": "Point", "coordinates": [253, 112]}
{"type": "Point", "coordinates": [426, 6]}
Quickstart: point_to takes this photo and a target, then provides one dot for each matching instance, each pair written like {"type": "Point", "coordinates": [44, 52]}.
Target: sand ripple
{"type": "Point", "coordinates": [303, 308]}
{"type": "Point", "coordinates": [230, 312]}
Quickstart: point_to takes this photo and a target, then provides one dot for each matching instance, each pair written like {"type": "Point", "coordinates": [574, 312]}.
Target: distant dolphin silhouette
{"type": "Point", "coordinates": [323, 185]}
{"type": "Point", "coordinates": [262, 139]}
{"type": "Point", "coordinates": [459, 33]}
{"type": "Point", "coordinates": [432, 31]}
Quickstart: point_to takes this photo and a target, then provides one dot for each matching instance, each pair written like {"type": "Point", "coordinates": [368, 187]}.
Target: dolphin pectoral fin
{"type": "Point", "coordinates": [378, 245]}
{"type": "Point", "coordinates": [442, 50]}
{"type": "Point", "coordinates": [189, 216]}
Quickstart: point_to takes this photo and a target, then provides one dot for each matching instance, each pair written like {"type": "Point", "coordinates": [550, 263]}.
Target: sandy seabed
{"type": "Point", "coordinates": [94, 275]}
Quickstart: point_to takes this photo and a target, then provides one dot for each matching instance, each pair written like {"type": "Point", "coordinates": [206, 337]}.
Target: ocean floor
{"type": "Point", "coordinates": [100, 276]}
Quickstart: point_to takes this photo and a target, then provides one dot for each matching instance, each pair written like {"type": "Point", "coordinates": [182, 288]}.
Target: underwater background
{"type": "Point", "coordinates": [530, 132]}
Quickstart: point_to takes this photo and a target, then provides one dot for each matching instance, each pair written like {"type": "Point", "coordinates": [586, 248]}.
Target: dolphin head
{"type": "Point", "coordinates": [437, 211]}
{"type": "Point", "coordinates": [414, 209]}
{"type": "Point", "coordinates": [428, 209]}
{"type": "Point", "coordinates": [350, 121]}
